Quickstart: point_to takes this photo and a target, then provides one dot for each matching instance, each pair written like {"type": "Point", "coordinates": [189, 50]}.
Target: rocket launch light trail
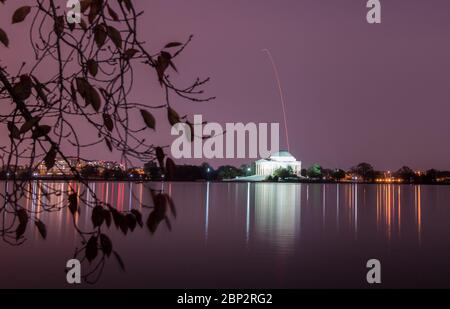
{"type": "Point", "coordinates": [280, 89]}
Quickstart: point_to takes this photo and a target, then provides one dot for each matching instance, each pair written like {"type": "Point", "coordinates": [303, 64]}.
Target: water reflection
{"type": "Point", "coordinates": [277, 214]}
{"type": "Point", "coordinates": [207, 211]}
{"type": "Point", "coordinates": [279, 229]}
{"type": "Point", "coordinates": [418, 204]}
{"type": "Point", "coordinates": [390, 208]}
{"type": "Point", "coordinates": [248, 215]}
{"type": "Point", "coordinates": [271, 212]}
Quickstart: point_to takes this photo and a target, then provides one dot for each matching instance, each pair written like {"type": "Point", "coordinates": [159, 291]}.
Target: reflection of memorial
{"type": "Point", "coordinates": [276, 213]}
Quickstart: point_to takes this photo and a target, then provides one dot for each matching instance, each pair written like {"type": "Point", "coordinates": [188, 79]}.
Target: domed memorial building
{"type": "Point", "coordinates": [282, 159]}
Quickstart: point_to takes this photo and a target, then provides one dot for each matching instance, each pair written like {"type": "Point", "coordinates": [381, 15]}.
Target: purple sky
{"type": "Point", "coordinates": [355, 92]}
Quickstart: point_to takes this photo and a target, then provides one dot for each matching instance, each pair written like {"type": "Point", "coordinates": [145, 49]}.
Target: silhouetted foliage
{"type": "Point", "coordinates": [315, 171]}
{"type": "Point", "coordinates": [406, 174]}
{"type": "Point", "coordinates": [338, 174]}
{"type": "Point", "coordinates": [93, 67]}
{"type": "Point", "coordinates": [228, 172]}
{"type": "Point", "coordinates": [431, 176]}
{"type": "Point", "coordinates": [365, 171]}
{"type": "Point", "coordinates": [284, 173]}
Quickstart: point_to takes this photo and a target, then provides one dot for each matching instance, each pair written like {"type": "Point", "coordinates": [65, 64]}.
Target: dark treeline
{"type": "Point", "coordinates": [363, 172]}
{"type": "Point", "coordinates": [199, 172]}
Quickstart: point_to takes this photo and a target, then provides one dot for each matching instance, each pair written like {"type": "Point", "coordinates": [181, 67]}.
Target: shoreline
{"type": "Point", "coordinates": [65, 179]}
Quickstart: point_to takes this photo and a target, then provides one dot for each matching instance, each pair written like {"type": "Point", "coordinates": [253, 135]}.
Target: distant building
{"type": "Point", "coordinates": [61, 168]}
{"type": "Point", "coordinates": [136, 171]}
{"type": "Point", "coordinates": [103, 166]}
{"type": "Point", "coordinates": [67, 168]}
{"type": "Point", "coordinates": [282, 159]}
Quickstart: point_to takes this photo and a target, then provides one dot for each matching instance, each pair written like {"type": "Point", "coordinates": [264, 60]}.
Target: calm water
{"type": "Point", "coordinates": [253, 236]}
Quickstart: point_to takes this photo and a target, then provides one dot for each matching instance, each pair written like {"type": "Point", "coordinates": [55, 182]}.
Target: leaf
{"type": "Point", "coordinates": [83, 25]}
{"type": "Point", "coordinates": [123, 224]}
{"type": "Point", "coordinates": [160, 156]}
{"type": "Point", "coordinates": [82, 86]}
{"type": "Point", "coordinates": [58, 27]}
{"type": "Point", "coordinates": [4, 38]}
{"type": "Point", "coordinates": [108, 144]}
{"type": "Point", "coordinates": [117, 216]}
{"type": "Point", "coordinates": [162, 64]}
{"type": "Point", "coordinates": [91, 250]}
{"type": "Point", "coordinates": [73, 203]}
{"type": "Point", "coordinates": [148, 119]}
{"type": "Point", "coordinates": [190, 134]}
{"type": "Point", "coordinates": [22, 90]}
{"type": "Point", "coordinates": [167, 59]}
{"type": "Point", "coordinates": [94, 99]}
{"type": "Point", "coordinates": [41, 131]}
{"type": "Point", "coordinates": [41, 228]}
{"type": "Point", "coordinates": [173, 44]}
{"type": "Point", "coordinates": [73, 94]}
{"type": "Point", "coordinates": [26, 81]}
{"type": "Point", "coordinates": [158, 214]}
{"type": "Point", "coordinates": [96, 7]}
{"type": "Point", "coordinates": [130, 53]}
{"type": "Point", "coordinates": [85, 5]}
{"type": "Point", "coordinates": [160, 205]}
{"type": "Point", "coordinates": [13, 130]}
{"type": "Point", "coordinates": [138, 216]}
{"type": "Point", "coordinates": [115, 36]}
{"type": "Point", "coordinates": [100, 35]}
{"type": "Point", "coordinates": [89, 93]}
{"type": "Point", "coordinates": [113, 14]}
{"type": "Point", "coordinates": [20, 14]}
{"type": "Point", "coordinates": [173, 116]}
{"type": "Point", "coordinates": [50, 158]}
{"type": "Point", "coordinates": [108, 122]}
{"type": "Point", "coordinates": [106, 244]}
{"type": "Point", "coordinates": [131, 221]}
{"type": "Point", "coordinates": [152, 223]}
{"type": "Point", "coordinates": [97, 216]}
{"type": "Point", "coordinates": [40, 90]}
{"type": "Point", "coordinates": [22, 215]}
{"type": "Point", "coordinates": [21, 230]}
{"type": "Point", "coordinates": [92, 67]}
{"type": "Point", "coordinates": [27, 126]}
{"type": "Point", "coordinates": [107, 216]}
